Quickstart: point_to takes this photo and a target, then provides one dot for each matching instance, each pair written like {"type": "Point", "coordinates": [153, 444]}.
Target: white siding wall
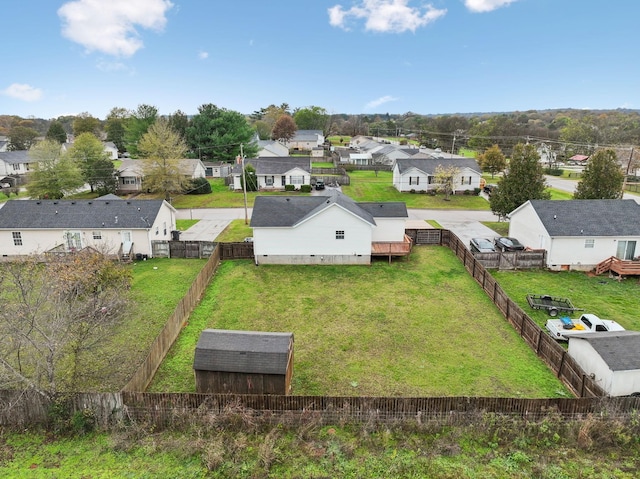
{"type": "Point", "coordinates": [527, 227]}
{"type": "Point", "coordinates": [422, 181]}
{"type": "Point", "coordinates": [389, 229]}
{"type": "Point", "coordinates": [615, 383]}
{"type": "Point", "coordinates": [317, 236]}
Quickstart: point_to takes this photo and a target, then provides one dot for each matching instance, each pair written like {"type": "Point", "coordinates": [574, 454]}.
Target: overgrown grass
{"type": "Point", "coordinates": [493, 447]}
{"type": "Point", "coordinates": [4, 197]}
{"type": "Point", "coordinates": [600, 295]}
{"type": "Point", "coordinates": [369, 186]}
{"type": "Point", "coordinates": [383, 330]}
{"type": "Point", "coordinates": [157, 287]}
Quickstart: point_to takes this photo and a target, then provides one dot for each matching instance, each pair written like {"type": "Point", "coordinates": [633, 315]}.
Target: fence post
{"type": "Point", "coordinates": [564, 353]}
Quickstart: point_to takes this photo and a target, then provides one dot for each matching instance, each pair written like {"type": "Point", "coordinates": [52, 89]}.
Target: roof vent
{"type": "Point", "coordinates": [288, 199]}
{"type": "Point", "coordinates": [128, 202]}
{"type": "Point", "coordinates": [38, 202]}
{"type": "Point", "coordinates": [106, 202]}
{"type": "Point", "coordinates": [555, 217]}
{"type": "Point", "coordinates": [73, 202]}
{"type": "Point", "coordinates": [89, 202]}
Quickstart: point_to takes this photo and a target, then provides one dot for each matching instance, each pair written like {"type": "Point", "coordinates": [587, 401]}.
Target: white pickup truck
{"type": "Point", "coordinates": [587, 323]}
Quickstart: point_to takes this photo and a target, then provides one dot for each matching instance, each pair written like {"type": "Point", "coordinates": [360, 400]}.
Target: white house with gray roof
{"type": "Point", "coordinates": [578, 234]}
{"type": "Point", "coordinates": [130, 173]}
{"type": "Point", "coordinates": [418, 173]}
{"type": "Point", "coordinates": [276, 172]}
{"type": "Point", "coordinates": [306, 140]}
{"type": "Point", "coordinates": [331, 229]}
{"type": "Point", "coordinates": [612, 359]}
{"type": "Point", "coordinates": [14, 163]}
{"type": "Point", "coordinates": [109, 224]}
{"type": "Point", "coordinates": [271, 148]}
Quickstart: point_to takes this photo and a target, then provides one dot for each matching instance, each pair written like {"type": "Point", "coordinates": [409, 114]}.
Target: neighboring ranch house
{"type": "Point", "coordinates": [275, 173]}
{"type": "Point", "coordinates": [131, 175]}
{"type": "Point", "coordinates": [217, 169]}
{"type": "Point", "coordinates": [331, 229]}
{"type": "Point", "coordinates": [243, 362]}
{"type": "Point", "coordinates": [578, 234]}
{"type": "Point", "coordinates": [108, 224]}
{"type": "Point", "coordinates": [271, 148]}
{"type": "Point", "coordinates": [306, 140]}
{"type": "Point", "coordinates": [111, 149]}
{"type": "Point", "coordinates": [14, 164]}
{"type": "Point", "coordinates": [418, 174]}
{"type": "Point", "coordinates": [612, 359]}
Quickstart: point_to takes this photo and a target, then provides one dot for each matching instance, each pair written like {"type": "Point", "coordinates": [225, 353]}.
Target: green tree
{"type": "Point", "coordinates": [115, 127]}
{"type": "Point", "coordinates": [162, 150]}
{"type": "Point", "coordinates": [21, 138]}
{"type": "Point", "coordinates": [524, 180]}
{"type": "Point", "coordinates": [54, 174]}
{"type": "Point", "coordinates": [56, 132]}
{"type": "Point", "coordinates": [492, 160]}
{"type": "Point", "coordinates": [311, 118]}
{"type": "Point", "coordinates": [602, 178]}
{"type": "Point", "coordinates": [97, 169]}
{"type": "Point", "coordinates": [179, 122]}
{"type": "Point", "coordinates": [137, 125]}
{"type": "Point", "coordinates": [284, 129]}
{"type": "Point", "coordinates": [251, 178]}
{"type": "Point", "coordinates": [217, 133]}
{"type": "Point", "coordinates": [446, 177]}
{"type": "Point", "coordinates": [85, 123]}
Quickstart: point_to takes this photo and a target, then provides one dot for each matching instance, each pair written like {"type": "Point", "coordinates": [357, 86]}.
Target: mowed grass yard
{"type": "Point", "coordinates": [420, 327]}
{"type": "Point", "coordinates": [158, 286]}
{"type": "Point", "coordinates": [603, 296]}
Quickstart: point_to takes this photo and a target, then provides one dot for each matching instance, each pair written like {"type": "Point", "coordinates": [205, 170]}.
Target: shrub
{"type": "Point", "coordinates": [289, 188]}
{"type": "Point", "coordinates": [553, 171]}
{"type": "Point", "coordinates": [476, 191]}
{"type": "Point", "coordinates": [412, 191]}
{"type": "Point", "coordinates": [305, 188]}
{"type": "Point", "coordinates": [199, 186]}
{"type": "Point", "coordinates": [349, 167]}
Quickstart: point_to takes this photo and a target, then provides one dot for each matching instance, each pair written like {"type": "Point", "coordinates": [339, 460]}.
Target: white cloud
{"type": "Point", "coordinates": [108, 66]}
{"type": "Point", "coordinates": [110, 26]}
{"type": "Point", "coordinates": [480, 6]}
{"type": "Point", "coordinates": [22, 91]}
{"type": "Point", "coordinates": [380, 101]}
{"type": "Point", "coordinates": [394, 16]}
{"type": "Point", "coordinates": [203, 55]}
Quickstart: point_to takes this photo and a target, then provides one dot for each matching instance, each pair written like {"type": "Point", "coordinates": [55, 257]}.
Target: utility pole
{"type": "Point", "coordinates": [244, 187]}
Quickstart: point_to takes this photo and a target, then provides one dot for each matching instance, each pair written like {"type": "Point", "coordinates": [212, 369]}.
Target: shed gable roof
{"type": "Point", "coordinates": [79, 214]}
{"type": "Point", "coordinates": [243, 351]}
{"type": "Point", "coordinates": [619, 350]}
{"type": "Point", "coordinates": [588, 218]}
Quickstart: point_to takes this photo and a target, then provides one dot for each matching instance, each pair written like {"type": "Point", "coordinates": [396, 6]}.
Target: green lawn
{"type": "Point", "coordinates": [236, 231]}
{"type": "Point", "coordinates": [158, 285]}
{"type": "Point", "coordinates": [557, 194]}
{"type": "Point", "coordinates": [183, 225]}
{"type": "Point", "coordinates": [379, 330]}
{"type": "Point", "coordinates": [500, 227]}
{"type": "Point", "coordinates": [600, 295]}
{"type": "Point", "coordinates": [369, 186]}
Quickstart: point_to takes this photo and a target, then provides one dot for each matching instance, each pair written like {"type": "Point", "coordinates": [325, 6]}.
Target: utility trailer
{"type": "Point", "coordinates": [552, 304]}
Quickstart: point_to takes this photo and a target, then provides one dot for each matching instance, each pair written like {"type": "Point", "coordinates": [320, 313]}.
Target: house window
{"type": "Point", "coordinates": [466, 180]}
{"type": "Point", "coordinates": [97, 235]}
{"type": "Point", "coordinates": [414, 180]}
{"type": "Point", "coordinates": [17, 238]}
{"type": "Point", "coordinates": [16, 167]}
{"type": "Point", "coordinates": [589, 243]}
{"type": "Point", "coordinates": [626, 250]}
{"type": "Point", "coordinates": [339, 234]}
{"type": "Point", "coordinates": [73, 240]}
{"type": "Point", "coordinates": [283, 180]}
{"type": "Point", "coordinates": [128, 181]}
{"type": "Point", "coordinates": [430, 180]}
{"type": "Point", "coordinates": [268, 180]}
{"type": "Point", "coordinates": [297, 180]}
{"type": "Point", "coordinates": [157, 230]}
{"type": "Point", "coordinates": [164, 227]}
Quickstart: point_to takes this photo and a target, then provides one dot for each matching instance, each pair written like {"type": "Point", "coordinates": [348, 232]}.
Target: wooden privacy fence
{"type": "Point", "coordinates": [166, 410]}
{"type": "Point", "coordinates": [160, 346]}
{"type": "Point", "coordinates": [547, 348]}
{"type": "Point", "coordinates": [235, 250]}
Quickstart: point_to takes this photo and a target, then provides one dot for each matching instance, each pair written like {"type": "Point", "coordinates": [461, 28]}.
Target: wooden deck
{"type": "Point", "coordinates": [392, 248]}
{"type": "Point", "coordinates": [619, 266]}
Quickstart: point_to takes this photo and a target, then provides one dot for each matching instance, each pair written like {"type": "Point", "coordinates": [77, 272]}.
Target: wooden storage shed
{"type": "Point", "coordinates": [243, 362]}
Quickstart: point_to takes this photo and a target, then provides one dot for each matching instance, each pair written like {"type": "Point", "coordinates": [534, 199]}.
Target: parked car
{"type": "Point", "coordinates": [319, 185]}
{"type": "Point", "coordinates": [248, 239]}
{"type": "Point", "coordinates": [504, 243]}
{"type": "Point", "coordinates": [481, 245]}
{"type": "Point", "coordinates": [488, 189]}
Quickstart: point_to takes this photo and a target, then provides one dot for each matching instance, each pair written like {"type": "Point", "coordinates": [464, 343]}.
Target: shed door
{"type": "Point", "coordinates": [626, 249]}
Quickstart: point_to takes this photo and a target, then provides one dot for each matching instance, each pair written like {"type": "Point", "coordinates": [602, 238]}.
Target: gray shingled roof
{"type": "Point", "coordinates": [79, 214]}
{"type": "Point", "coordinates": [242, 351]}
{"type": "Point", "coordinates": [288, 211]}
{"type": "Point", "coordinates": [620, 350]}
{"type": "Point", "coordinates": [16, 157]}
{"type": "Point", "coordinates": [429, 165]}
{"type": "Point", "coordinates": [275, 165]}
{"type": "Point", "coordinates": [396, 209]}
{"type": "Point", "coordinates": [589, 217]}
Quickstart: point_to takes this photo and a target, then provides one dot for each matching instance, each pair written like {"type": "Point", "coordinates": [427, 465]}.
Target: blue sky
{"type": "Point", "coordinates": [347, 56]}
